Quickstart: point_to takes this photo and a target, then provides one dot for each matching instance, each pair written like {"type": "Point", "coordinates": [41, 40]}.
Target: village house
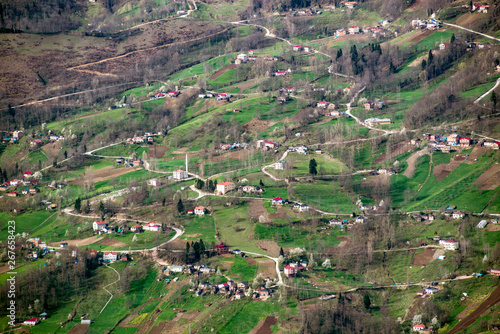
{"type": "Point", "coordinates": [225, 187]}
{"type": "Point", "coordinates": [31, 322]}
{"type": "Point", "coordinates": [154, 182]}
{"type": "Point", "coordinates": [277, 201]}
{"type": "Point", "coordinates": [290, 271]}
{"type": "Point", "coordinates": [443, 46]}
{"type": "Point", "coordinates": [222, 249]}
{"type": "Point", "coordinates": [153, 227]}
{"type": "Point", "coordinates": [110, 256]}
{"type": "Point", "coordinates": [495, 272]}
{"type": "Point", "coordinates": [297, 48]}
{"type": "Point", "coordinates": [369, 105]}
{"type": "Point", "coordinates": [449, 244]}
{"type": "Point", "coordinates": [418, 328]}
{"type": "Point", "coordinates": [307, 49]}
{"type": "Point", "coordinates": [465, 141]}
{"type": "Point", "coordinates": [452, 139]}
{"type": "Point", "coordinates": [137, 163]}
{"type": "Point", "coordinates": [322, 104]}
{"type": "Point", "coordinates": [458, 215]}
{"type": "Point", "coordinates": [280, 73]}
{"type": "Point", "coordinates": [349, 4]}
{"type": "Point", "coordinates": [136, 228]}
{"type": "Point", "coordinates": [242, 57]}
{"type": "Point", "coordinates": [300, 207]}
{"type": "Point", "coordinates": [99, 225]}
{"type": "Point", "coordinates": [280, 165]}
{"type": "Point", "coordinates": [377, 121]}
{"type": "Point", "coordinates": [414, 141]}
{"type": "Point", "coordinates": [200, 210]}
{"type": "Point", "coordinates": [353, 30]}
{"type": "Point", "coordinates": [340, 32]}
{"type": "Point", "coordinates": [173, 93]}
{"type": "Point", "coordinates": [180, 174]}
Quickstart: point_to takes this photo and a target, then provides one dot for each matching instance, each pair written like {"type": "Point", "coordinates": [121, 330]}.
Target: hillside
{"type": "Point", "coordinates": [250, 166]}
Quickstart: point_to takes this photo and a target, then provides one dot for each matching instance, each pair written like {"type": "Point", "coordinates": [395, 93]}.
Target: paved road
{"type": "Point", "coordinates": [472, 31]}
{"type": "Point", "coordinates": [488, 92]}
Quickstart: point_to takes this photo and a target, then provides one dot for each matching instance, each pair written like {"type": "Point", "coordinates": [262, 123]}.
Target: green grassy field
{"type": "Point", "coordinates": [325, 195]}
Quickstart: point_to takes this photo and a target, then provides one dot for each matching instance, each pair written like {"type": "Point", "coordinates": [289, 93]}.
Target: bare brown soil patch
{"type": "Point", "coordinates": [251, 261]}
{"type": "Point", "coordinates": [257, 210]}
{"type": "Point", "coordinates": [410, 170]}
{"type": "Point", "coordinates": [112, 242]}
{"type": "Point", "coordinates": [258, 125]}
{"type": "Point", "coordinates": [422, 259]}
{"type": "Point", "coordinates": [247, 84]}
{"type": "Point", "coordinates": [79, 242]}
{"type": "Point", "coordinates": [442, 170]}
{"type": "Point", "coordinates": [4, 269]}
{"type": "Point", "coordinates": [470, 20]}
{"type": "Point", "coordinates": [490, 179]}
{"type": "Point", "coordinates": [264, 326]}
{"type": "Point", "coordinates": [207, 104]}
{"type": "Point", "coordinates": [104, 174]}
{"type": "Point", "coordinates": [222, 71]}
{"type": "Point", "coordinates": [226, 265]}
{"type": "Point", "coordinates": [52, 149]}
{"type": "Point", "coordinates": [493, 227]}
{"type": "Point", "coordinates": [270, 247]}
{"type": "Point", "coordinates": [157, 151]}
{"type": "Point", "coordinates": [267, 267]}
{"type": "Point", "coordinates": [395, 150]}
{"type": "Point", "coordinates": [492, 300]}
{"type": "Point", "coordinates": [476, 153]}
{"type": "Point", "coordinates": [158, 328]}
{"type": "Point", "coordinates": [79, 329]}
{"type": "Point", "coordinates": [280, 213]}
{"type": "Point", "coordinates": [414, 37]}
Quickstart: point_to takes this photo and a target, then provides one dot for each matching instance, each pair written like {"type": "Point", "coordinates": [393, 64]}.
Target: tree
{"type": "Point", "coordinates": [65, 154]}
{"type": "Point", "coordinates": [281, 252]}
{"type": "Point", "coordinates": [78, 205]}
{"type": "Point", "coordinates": [312, 167]}
{"type": "Point", "coordinates": [452, 38]}
{"type": "Point", "coordinates": [392, 68]}
{"type": "Point", "coordinates": [327, 264]}
{"type": "Point", "coordinates": [101, 209]}
{"type": "Point", "coordinates": [180, 206]}
{"type": "Point", "coordinates": [493, 98]}
{"type": "Point", "coordinates": [261, 183]}
{"type": "Point", "coordinates": [86, 208]}
{"type": "Point", "coordinates": [366, 301]}
{"type": "Point", "coordinates": [202, 248]}
{"type": "Point", "coordinates": [339, 54]}
{"type": "Point", "coordinates": [188, 246]}
{"type": "Point", "coordinates": [430, 57]}
{"type": "Point", "coordinates": [199, 184]}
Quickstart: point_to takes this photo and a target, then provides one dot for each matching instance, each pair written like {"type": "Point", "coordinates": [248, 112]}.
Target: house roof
{"type": "Point", "coordinates": [110, 253]}
{"type": "Point", "coordinates": [225, 183]}
{"type": "Point", "coordinates": [102, 222]}
{"type": "Point", "coordinates": [450, 241]}
{"type": "Point", "coordinates": [179, 171]}
{"type": "Point", "coordinates": [33, 320]}
{"type": "Point", "coordinates": [200, 208]}
{"type": "Point", "coordinates": [220, 246]}
{"type": "Point", "coordinates": [277, 199]}
{"type": "Point", "coordinates": [419, 326]}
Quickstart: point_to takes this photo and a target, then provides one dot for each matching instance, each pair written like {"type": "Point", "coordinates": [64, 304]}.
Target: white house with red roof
{"type": "Point", "coordinates": [280, 73]}
{"type": "Point", "coordinates": [153, 227]}
{"type": "Point", "coordinates": [418, 328]}
{"type": "Point", "coordinates": [290, 271]}
{"type": "Point", "coordinates": [307, 48]}
{"type": "Point", "coordinates": [200, 210]}
{"type": "Point", "coordinates": [340, 32]}
{"type": "Point", "coordinates": [277, 201]}
{"type": "Point", "coordinates": [353, 30]}
{"type": "Point", "coordinates": [27, 174]}
{"type": "Point", "coordinates": [110, 256]}
{"type": "Point", "coordinates": [99, 225]}
{"type": "Point", "coordinates": [458, 215]}
{"type": "Point", "coordinates": [31, 322]}
{"type": "Point", "coordinates": [173, 93]}
{"type": "Point", "coordinates": [180, 174]}
{"type": "Point", "coordinates": [225, 187]}
{"type": "Point", "coordinates": [322, 104]}
{"type": "Point", "coordinates": [297, 48]}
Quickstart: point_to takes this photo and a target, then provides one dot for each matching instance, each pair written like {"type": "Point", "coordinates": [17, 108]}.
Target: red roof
{"type": "Point", "coordinates": [225, 183]}
{"type": "Point", "coordinates": [289, 267]}
{"type": "Point", "coordinates": [173, 92]}
{"type": "Point", "coordinates": [450, 240]}
{"type": "Point", "coordinates": [102, 222]}
{"type": "Point", "coordinates": [33, 320]}
{"type": "Point", "coordinates": [297, 46]}
{"type": "Point", "coordinates": [277, 199]}
{"type": "Point", "coordinates": [352, 27]}
{"type": "Point", "coordinates": [220, 246]}
{"type": "Point", "coordinates": [107, 253]}
{"type": "Point", "coordinates": [323, 102]}
{"type": "Point", "coordinates": [27, 173]}
{"type": "Point", "coordinates": [280, 71]}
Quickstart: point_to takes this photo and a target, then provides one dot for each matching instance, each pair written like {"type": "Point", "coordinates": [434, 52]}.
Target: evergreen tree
{"type": "Point", "coordinates": [312, 167]}
{"type": "Point", "coordinates": [261, 183]}
{"type": "Point", "coordinates": [281, 252]}
{"type": "Point", "coordinates": [392, 68]}
{"type": "Point", "coordinates": [78, 204]}
{"type": "Point", "coordinates": [180, 206]}
{"type": "Point", "coordinates": [101, 209]}
{"type": "Point", "coordinates": [163, 201]}
{"type": "Point", "coordinates": [65, 154]}
{"type": "Point", "coordinates": [1, 176]}
{"type": "Point", "coordinates": [339, 54]}
{"type": "Point", "coordinates": [86, 208]}
{"type": "Point", "coordinates": [196, 248]}
{"type": "Point", "coordinates": [188, 246]}
{"type": "Point", "coordinates": [354, 54]}
{"type": "Point", "coordinates": [424, 64]}
{"type": "Point", "coordinates": [430, 57]}
{"type": "Point", "coordinates": [452, 39]}
{"type": "Point", "coordinates": [202, 248]}
{"type": "Point", "coordinates": [366, 301]}
{"type": "Point", "coordinates": [493, 99]}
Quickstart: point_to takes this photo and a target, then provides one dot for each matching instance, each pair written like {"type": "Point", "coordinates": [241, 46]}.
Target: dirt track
{"type": "Point", "coordinates": [79, 242]}
{"type": "Point", "coordinates": [492, 300]}
{"type": "Point", "coordinates": [410, 170]}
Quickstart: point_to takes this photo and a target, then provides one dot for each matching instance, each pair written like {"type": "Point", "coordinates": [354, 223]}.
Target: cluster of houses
{"type": "Point", "coordinates": [111, 257]}
{"type": "Point", "coordinates": [425, 24]}
{"type": "Point", "coordinates": [369, 105]}
{"type": "Point", "coordinates": [141, 139]}
{"type": "Point", "coordinates": [302, 149]}
{"type": "Point", "coordinates": [424, 217]}
{"type": "Point", "coordinates": [266, 144]}
{"type": "Point", "coordinates": [219, 97]}
{"type": "Point", "coordinates": [251, 189]}
{"type": "Point", "coordinates": [14, 184]}
{"type": "Point", "coordinates": [299, 48]}
{"type": "Point", "coordinates": [278, 201]}
{"type": "Point", "coordinates": [300, 207]}
{"type": "Point", "coordinates": [172, 93]}
{"type": "Point", "coordinates": [198, 211]}
{"type": "Point", "coordinates": [480, 8]}
{"type": "Point", "coordinates": [233, 290]}
{"type": "Point", "coordinates": [129, 162]}
{"type": "Point", "coordinates": [343, 223]}
{"type": "Point", "coordinates": [293, 268]}
{"type": "Point", "coordinates": [352, 30]}
{"type": "Point", "coordinates": [102, 227]}
{"type": "Point", "coordinates": [233, 146]}
{"type": "Point", "coordinates": [16, 135]}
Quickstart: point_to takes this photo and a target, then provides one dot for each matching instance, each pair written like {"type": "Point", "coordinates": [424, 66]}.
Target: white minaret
{"type": "Point", "coordinates": [187, 166]}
